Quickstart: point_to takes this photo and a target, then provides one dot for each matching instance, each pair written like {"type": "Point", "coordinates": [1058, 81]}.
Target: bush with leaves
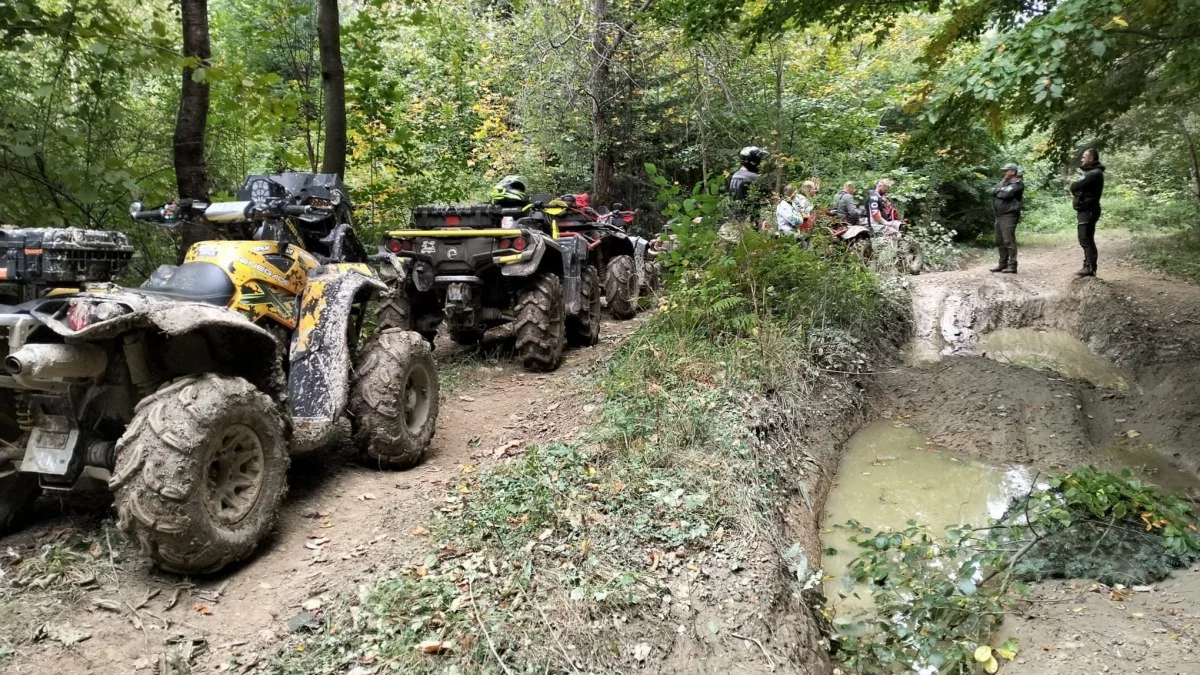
{"type": "Point", "coordinates": [937, 598]}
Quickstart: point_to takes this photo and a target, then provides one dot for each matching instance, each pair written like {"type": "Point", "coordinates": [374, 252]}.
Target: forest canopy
{"type": "Point", "coordinates": [443, 97]}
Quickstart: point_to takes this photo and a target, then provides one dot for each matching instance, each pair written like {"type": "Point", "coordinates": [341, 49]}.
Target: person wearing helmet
{"type": "Point", "coordinates": [510, 191]}
{"type": "Point", "coordinates": [751, 158]}
{"type": "Point", "coordinates": [1006, 200]}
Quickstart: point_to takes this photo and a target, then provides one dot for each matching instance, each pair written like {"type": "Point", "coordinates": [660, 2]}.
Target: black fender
{"type": "Point", "coordinates": [320, 356]}
{"type": "Point", "coordinates": [615, 244]}
{"type": "Point", "coordinates": [238, 345]}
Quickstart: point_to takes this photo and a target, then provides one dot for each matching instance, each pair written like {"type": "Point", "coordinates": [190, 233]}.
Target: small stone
{"type": "Point", "coordinates": [304, 621]}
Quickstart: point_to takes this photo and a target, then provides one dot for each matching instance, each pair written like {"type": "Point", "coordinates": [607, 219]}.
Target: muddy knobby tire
{"type": "Point", "coordinates": [862, 249]}
{"type": "Point", "coordinates": [17, 494]}
{"type": "Point", "coordinates": [583, 329]}
{"type": "Point", "coordinates": [201, 471]}
{"type": "Point", "coordinates": [394, 399]}
{"type": "Point", "coordinates": [653, 274]}
{"type": "Point", "coordinates": [621, 287]}
{"type": "Point", "coordinates": [541, 326]}
{"type": "Point", "coordinates": [395, 311]}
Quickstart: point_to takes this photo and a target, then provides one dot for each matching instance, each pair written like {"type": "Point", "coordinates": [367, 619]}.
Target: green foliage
{"type": "Point", "coordinates": [937, 242]}
{"type": "Point", "coordinates": [728, 293]}
{"type": "Point", "coordinates": [938, 597]}
{"type": "Point", "coordinates": [930, 610]}
{"type": "Point", "coordinates": [1177, 254]}
{"type": "Point", "coordinates": [1090, 524]}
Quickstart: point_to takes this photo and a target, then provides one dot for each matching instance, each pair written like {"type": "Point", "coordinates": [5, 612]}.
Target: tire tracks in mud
{"type": "Point", "coordinates": [343, 524]}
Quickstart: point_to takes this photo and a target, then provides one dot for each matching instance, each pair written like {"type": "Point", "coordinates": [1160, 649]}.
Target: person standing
{"type": "Point", "coordinates": [1085, 197]}
{"type": "Point", "coordinates": [1006, 201]}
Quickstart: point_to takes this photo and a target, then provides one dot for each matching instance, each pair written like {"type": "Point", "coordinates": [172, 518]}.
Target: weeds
{"type": "Point", "coordinates": [937, 598]}
{"type": "Point", "coordinates": [680, 466]}
{"type": "Point", "coordinates": [1177, 254]}
{"type": "Point", "coordinates": [70, 560]}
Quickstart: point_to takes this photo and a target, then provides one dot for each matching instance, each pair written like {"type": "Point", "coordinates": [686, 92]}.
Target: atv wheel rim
{"type": "Point", "coordinates": [416, 399]}
{"type": "Point", "coordinates": [235, 474]}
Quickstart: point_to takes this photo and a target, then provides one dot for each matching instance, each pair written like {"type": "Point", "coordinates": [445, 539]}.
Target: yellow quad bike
{"type": "Point", "coordinates": [190, 410]}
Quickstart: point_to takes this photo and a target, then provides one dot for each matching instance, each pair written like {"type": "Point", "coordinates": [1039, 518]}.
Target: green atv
{"type": "Point", "coordinates": [480, 266]}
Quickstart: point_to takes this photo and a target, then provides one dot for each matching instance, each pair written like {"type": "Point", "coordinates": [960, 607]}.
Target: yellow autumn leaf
{"type": "Point", "coordinates": [1007, 654]}
{"type": "Point", "coordinates": [1120, 21]}
{"type": "Point", "coordinates": [991, 666]}
{"type": "Point", "coordinates": [983, 653]}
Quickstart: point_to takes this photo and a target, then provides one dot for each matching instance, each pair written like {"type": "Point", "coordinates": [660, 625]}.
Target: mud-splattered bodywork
{"type": "Point", "coordinates": [321, 350]}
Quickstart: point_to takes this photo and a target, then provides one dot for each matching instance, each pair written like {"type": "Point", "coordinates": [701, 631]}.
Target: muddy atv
{"type": "Point", "coordinates": [188, 395]}
{"type": "Point", "coordinates": [476, 267]}
{"type": "Point", "coordinates": [610, 249]}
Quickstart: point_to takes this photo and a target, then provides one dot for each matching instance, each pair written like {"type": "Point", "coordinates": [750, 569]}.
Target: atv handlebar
{"type": "Point", "coordinates": [303, 210]}
{"type": "Point", "coordinates": [138, 213]}
{"type": "Point", "coordinates": [172, 213]}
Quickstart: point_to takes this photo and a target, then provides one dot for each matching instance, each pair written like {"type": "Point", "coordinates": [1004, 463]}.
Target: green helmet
{"type": "Point", "coordinates": [510, 191]}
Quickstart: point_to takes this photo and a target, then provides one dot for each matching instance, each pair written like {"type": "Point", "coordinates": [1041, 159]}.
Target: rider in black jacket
{"type": "Point", "coordinates": [1085, 197]}
{"type": "Point", "coordinates": [741, 183]}
{"type": "Point", "coordinates": [1006, 200]}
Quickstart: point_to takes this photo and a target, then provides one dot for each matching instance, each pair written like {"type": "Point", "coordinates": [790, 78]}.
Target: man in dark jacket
{"type": "Point", "coordinates": [1085, 197]}
{"type": "Point", "coordinates": [1006, 200]}
{"type": "Point", "coordinates": [742, 180]}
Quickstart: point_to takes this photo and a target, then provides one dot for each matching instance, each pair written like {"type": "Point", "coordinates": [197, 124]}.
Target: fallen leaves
{"type": "Point", "coordinates": [316, 543]}
{"type": "Point", "coordinates": [436, 647]}
{"type": "Point", "coordinates": [418, 531]}
{"type": "Point", "coordinates": [508, 449]}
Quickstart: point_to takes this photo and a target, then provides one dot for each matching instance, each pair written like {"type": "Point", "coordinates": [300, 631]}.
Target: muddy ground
{"type": "Point", "coordinates": [344, 523]}
{"type": "Point", "coordinates": [1143, 321]}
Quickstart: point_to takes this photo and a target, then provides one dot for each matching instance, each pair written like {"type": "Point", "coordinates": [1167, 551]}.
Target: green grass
{"type": "Point", "coordinates": [1177, 254]}
{"type": "Point", "coordinates": [536, 552]}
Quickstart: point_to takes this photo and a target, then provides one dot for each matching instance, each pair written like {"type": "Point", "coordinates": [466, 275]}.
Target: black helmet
{"type": "Point", "coordinates": [510, 190]}
{"type": "Point", "coordinates": [752, 156]}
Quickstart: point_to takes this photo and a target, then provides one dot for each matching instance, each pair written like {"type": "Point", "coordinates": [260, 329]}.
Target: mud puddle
{"type": "Point", "coordinates": [891, 474]}
{"type": "Point", "coordinates": [1054, 350]}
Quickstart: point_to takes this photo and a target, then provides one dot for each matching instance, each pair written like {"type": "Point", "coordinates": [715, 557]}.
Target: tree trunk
{"type": "Point", "coordinates": [333, 84]}
{"type": "Point", "coordinates": [190, 174]}
{"type": "Point", "coordinates": [1192, 154]}
{"type": "Point", "coordinates": [602, 152]}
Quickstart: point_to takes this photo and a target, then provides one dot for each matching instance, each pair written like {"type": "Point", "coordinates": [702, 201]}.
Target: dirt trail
{"type": "Point", "coordinates": [342, 523]}
{"type": "Point", "coordinates": [1146, 323]}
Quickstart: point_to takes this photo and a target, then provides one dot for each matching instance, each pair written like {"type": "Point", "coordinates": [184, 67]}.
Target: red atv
{"type": "Point", "coordinates": [610, 249]}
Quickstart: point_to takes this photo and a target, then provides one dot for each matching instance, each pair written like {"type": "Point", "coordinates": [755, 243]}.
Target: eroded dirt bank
{"type": "Point", "coordinates": [1144, 322]}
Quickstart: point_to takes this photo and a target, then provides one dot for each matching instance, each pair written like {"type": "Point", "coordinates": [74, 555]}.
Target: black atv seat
{"type": "Point", "coordinates": [193, 282]}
